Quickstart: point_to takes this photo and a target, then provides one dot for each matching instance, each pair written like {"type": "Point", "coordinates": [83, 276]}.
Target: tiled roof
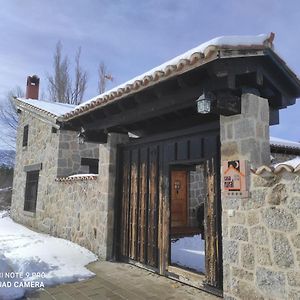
{"type": "Point", "coordinates": [291, 166]}
{"type": "Point", "coordinates": [182, 63]}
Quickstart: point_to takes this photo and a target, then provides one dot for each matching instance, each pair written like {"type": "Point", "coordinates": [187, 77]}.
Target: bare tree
{"type": "Point", "coordinates": [80, 83]}
{"type": "Point", "coordinates": [9, 117]}
{"type": "Point", "coordinates": [103, 76]}
{"type": "Point", "coordinates": [60, 85]}
{"type": "Point", "coordinates": [61, 88]}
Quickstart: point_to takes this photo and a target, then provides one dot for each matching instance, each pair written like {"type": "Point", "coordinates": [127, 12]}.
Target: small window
{"type": "Point", "coordinates": [91, 163]}
{"type": "Point", "coordinates": [25, 136]}
{"type": "Point", "coordinates": [31, 190]}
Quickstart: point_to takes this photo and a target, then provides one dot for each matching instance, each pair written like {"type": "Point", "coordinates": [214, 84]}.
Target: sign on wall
{"type": "Point", "coordinates": [234, 178]}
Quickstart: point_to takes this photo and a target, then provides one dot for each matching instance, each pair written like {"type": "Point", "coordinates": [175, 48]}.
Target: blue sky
{"type": "Point", "coordinates": [132, 37]}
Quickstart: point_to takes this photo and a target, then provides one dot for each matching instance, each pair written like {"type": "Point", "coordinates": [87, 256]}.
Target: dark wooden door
{"type": "Point", "coordinates": [179, 199]}
{"type": "Point", "coordinates": [140, 190]}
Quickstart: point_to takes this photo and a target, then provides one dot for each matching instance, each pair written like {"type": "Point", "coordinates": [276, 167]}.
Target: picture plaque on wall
{"type": "Point", "coordinates": [234, 178]}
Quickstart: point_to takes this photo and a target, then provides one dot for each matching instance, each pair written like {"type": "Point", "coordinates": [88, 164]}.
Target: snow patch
{"type": "Point", "coordinates": [82, 175]}
{"type": "Point", "coordinates": [40, 258]}
{"type": "Point", "coordinates": [8, 290]}
{"type": "Point", "coordinates": [189, 252]}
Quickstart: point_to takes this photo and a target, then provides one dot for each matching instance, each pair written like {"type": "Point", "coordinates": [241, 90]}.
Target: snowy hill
{"type": "Point", "coordinates": [7, 158]}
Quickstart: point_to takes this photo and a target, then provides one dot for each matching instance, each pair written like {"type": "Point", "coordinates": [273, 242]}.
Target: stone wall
{"type": "Point", "coordinates": [246, 136]}
{"type": "Point", "coordinates": [261, 238]}
{"type": "Point", "coordinates": [78, 210]}
{"type": "Point", "coordinates": [42, 148]}
{"type": "Point", "coordinates": [197, 193]}
{"type": "Point", "coordinates": [260, 231]}
{"type": "Point", "coordinates": [71, 152]}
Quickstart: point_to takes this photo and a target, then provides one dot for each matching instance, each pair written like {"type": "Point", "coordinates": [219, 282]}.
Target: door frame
{"type": "Point", "coordinates": [196, 279]}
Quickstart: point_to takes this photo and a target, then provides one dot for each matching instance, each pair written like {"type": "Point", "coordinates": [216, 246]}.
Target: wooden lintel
{"type": "Point", "coordinates": [259, 77]}
{"type": "Point", "coordinates": [231, 80]}
{"type": "Point", "coordinates": [228, 104]}
{"type": "Point", "coordinates": [273, 116]}
{"type": "Point", "coordinates": [172, 102]}
{"type": "Point", "coordinates": [95, 137]}
{"type": "Point", "coordinates": [182, 82]}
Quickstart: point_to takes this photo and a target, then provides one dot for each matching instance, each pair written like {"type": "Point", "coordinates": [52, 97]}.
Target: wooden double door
{"type": "Point", "coordinates": [145, 192]}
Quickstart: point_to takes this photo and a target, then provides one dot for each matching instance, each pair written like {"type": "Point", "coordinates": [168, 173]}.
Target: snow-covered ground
{"type": "Point", "coordinates": [189, 252]}
{"type": "Point", "coordinates": [30, 260]}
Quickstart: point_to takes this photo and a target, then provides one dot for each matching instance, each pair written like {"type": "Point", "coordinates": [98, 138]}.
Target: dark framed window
{"type": "Point", "coordinates": [32, 180]}
{"type": "Point", "coordinates": [92, 163]}
{"type": "Point", "coordinates": [25, 135]}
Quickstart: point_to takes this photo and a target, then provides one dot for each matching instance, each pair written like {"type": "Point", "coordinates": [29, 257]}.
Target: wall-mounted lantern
{"type": "Point", "coordinates": [221, 102]}
{"type": "Point", "coordinates": [81, 136]}
{"type": "Point", "coordinates": [203, 104]}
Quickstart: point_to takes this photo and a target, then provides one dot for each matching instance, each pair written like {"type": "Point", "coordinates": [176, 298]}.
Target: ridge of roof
{"type": "Point", "coordinates": [188, 60]}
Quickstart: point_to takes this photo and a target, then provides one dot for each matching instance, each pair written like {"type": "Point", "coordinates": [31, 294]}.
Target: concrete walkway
{"type": "Point", "coordinates": [122, 281]}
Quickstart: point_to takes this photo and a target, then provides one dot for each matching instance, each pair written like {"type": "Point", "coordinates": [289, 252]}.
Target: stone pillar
{"type": "Point", "coordinates": [246, 136]}
{"type": "Point", "coordinates": [107, 174]}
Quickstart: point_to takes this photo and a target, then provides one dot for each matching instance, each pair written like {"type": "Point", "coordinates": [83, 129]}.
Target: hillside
{"type": "Point", "coordinates": [7, 158]}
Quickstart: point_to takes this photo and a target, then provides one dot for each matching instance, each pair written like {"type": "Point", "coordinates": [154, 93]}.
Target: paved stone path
{"type": "Point", "coordinates": [122, 281]}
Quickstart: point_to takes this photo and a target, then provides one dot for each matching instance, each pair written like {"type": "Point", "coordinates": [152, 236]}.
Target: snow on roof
{"type": "Point", "coordinates": [291, 166]}
{"type": "Point", "coordinates": [284, 143]}
{"type": "Point", "coordinates": [54, 109]}
{"type": "Point", "coordinates": [77, 177]}
{"type": "Point", "coordinates": [175, 65]}
{"type": "Point", "coordinates": [219, 41]}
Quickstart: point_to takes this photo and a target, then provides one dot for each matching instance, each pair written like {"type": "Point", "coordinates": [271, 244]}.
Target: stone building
{"type": "Point", "coordinates": [137, 168]}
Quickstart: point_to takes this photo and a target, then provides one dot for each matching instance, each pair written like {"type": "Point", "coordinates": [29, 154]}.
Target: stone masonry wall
{"type": "Point", "coordinates": [42, 148]}
{"type": "Point", "coordinates": [197, 193]}
{"type": "Point", "coordinates": [261, 237]}
{"type": "Point", "coordinates": [80, 210]}
{"type": "Point", "coordinates": [71, 152]}
{"type": "Point", "coordinates": [260, 231]}
{"type": "Point", "coordinates": [246, 136]}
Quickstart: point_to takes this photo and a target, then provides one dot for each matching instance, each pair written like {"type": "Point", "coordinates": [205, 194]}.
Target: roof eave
{"type": "Point", "coordinates": [212, 53]}
{"type": "Point", "coordinates": [289, 73]}
{"type": "Point", "coordinates": [37, 112]}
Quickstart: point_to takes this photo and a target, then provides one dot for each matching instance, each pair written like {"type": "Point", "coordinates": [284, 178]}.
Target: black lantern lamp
{"type": "Point", "coordinates": [204, 104]}
{"type": "Point", "coordinates": [81, 136]}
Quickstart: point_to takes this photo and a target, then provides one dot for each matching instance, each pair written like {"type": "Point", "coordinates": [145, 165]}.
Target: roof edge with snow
{"type": "Point", "coordinates": [45, 109]}
{"type": "Point", "coordinates": [191, 59]}
{"type": "Point", "coordinates": [283, 144]}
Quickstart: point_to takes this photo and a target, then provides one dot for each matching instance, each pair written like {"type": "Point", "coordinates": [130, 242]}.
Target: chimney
{"type": "Point", "coordinates": [32, 88]}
